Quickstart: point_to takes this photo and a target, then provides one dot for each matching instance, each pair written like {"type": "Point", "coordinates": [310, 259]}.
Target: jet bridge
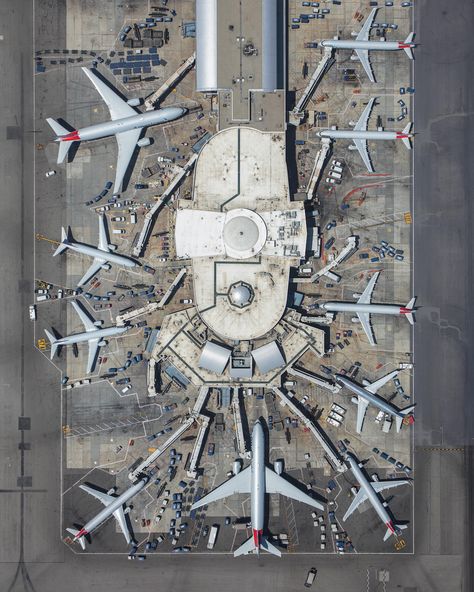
{"type": "Point", "coordinates": [172, 288]}
{"type": "Point", "coordinates": [318, 167]}
{"type": "Point", "coordinates": [239, 432]}
{"type": "Point", "coordinates": [326, 62]}
{"type": "Point", "coordinates": [155, 98]}
{"type": "Point", "coordinates": [196, 453]}
{"type": "Point", "coordinates": [334, 388]}
{"type": "Point", "coordinates": [316, 430]}
{"type": "Point", "coordinates": [347, 251]}
{"type": "Point", "coordinates": [149, 216]}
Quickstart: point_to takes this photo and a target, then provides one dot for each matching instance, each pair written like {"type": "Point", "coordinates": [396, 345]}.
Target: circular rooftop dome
{"type": "Point", "coordinates": [244, 233]}
{"type": "Point", "coordinates": [240, 294]}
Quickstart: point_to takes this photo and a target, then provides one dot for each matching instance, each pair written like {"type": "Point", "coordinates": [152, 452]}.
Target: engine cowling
{"type": "Point", "coordinates": [356, 295]}
{"type": "Point", "coordinates": [354, 58]}
{"type": "Point", "coordinates": [134, 102]}
{"type": "Point", "coordinates": [98, 323]}
{"type": "Point", "coordinates": [112, 247]}
{"type": "Point", "coordinates": [278, 466]}
{"type": "Point", "coordinates": [102, 343]}
{"type": "Point", "coordinates": [354, 400]}
{"type": "Point", "coordinates": [144, 142]}
{"type": "Point", "coordinates": [106, 266]}
{"type": "Point", "coordinates": [355, 320]}
{"type": "Point", "coordinates": [237, 465]}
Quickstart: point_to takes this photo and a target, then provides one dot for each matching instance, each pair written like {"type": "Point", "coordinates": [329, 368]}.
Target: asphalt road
{"type": "Point", "coordinates": [32, 556]}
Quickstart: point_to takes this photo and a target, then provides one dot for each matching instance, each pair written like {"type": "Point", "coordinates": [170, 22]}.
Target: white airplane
{"type": "Point", "coordinates": [367, 394]}
{"type": "Point", "coordinates": [369, 490]}
{"type": "Point", "coordinates": [363, 308]}
{"type": "Point", "coordinates": [113, 507]}
{"type": "Point", "coordinates": [361, 45]}
{"type": "Point", "coordinates": [360, 134]}
{"type": "Point", "coordinates": [93, 335]}
{"type": "Point", "coordinates": [126, 125]}
{"type": "Point", "coordinates": [257, 479]}
{"type": "Point", "coordinates": [102, 255]}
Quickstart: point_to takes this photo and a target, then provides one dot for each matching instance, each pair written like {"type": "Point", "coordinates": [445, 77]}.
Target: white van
{"type": "Point", "coordinates": [118, 231]}
{"type": "Point", "coordinates": [335, 175]}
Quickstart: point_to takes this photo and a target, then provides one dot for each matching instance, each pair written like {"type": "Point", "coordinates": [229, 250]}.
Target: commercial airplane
{"type": "Point", "coordinates": [367, 395]}
{"type": "Point", "coordinates": [369, 490]}
{"type": "Point", "coordinates": [257, 479]}
{"type": "Point", "coordinates": [361, 45]}
{"type": "Point", "coordinates": [102, 255]}
{"type": "Point", "coordinates": [126, 125]}
{"type": "Point", "coordinates": [113, 506]}
{"type": "Point", "coordinates": [93, 335]}
{"type": "Point", "coordinates": [363, 308]}
{"type": "Point", "coordinates": [360, 134]}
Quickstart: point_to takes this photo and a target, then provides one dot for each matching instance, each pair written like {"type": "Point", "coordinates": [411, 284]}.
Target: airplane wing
{"type": "Point", "coordinates": [356, 502]}
{"type": "Point", "coordinates": [373, 387]}
{"type": "Point", "coordinates": [126, 142]}
{"type": "Point", "coordinates": [366, 295]}
{"type": "Point", "coordinates": [277, 484]}
{"type": "Point", "coordinates": [379, 486]}
{"type": "Point", "coordinates": [363, 55]}
{"type": "Point", "coordinates": [238, 484]}
{"type": "Point", "coordinates": [120, 517]}
{"type": "Point", "coordinates": [105, 498]}
{"type": "Point", "coordinates": [364, 318]}
{"type": "Point", "coordinates": [362, 405]}
{"type": "Point", "coordinates": [118, 107]}
{"type": "Point", "coordinates": [103, 242]}
{"type": "Point", "coordinates": [86, 320]}
{"type": "Point", "coordinates": [365, 31]}
{"type": "Point", "coordinates": [95, 267]}
{"type": "Point", "coordinates": [361, 125]}
{"type": "Point", "coordinates": [361, 146]}
{"type": "Point", "coordinates": [93, 350]}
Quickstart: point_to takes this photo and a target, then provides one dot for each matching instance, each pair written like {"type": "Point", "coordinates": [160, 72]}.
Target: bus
{"type": "Point", "coordinates": [212, 536]}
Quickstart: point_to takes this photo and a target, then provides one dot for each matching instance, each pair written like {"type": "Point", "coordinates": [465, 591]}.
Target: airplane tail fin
{"type": "Point", "coordinates": [63, 245]}
{"type": "Point", "coordinates": [395, 532]}
{"type": "Point", "coordinates": [80, 539]}
{"type": "Point", "coordinates": [53, 341]}
{"type": "Point", "coordinates": [403, 412]}
{"type": "Point", "coordinates": [411, 307]}
{"type": "Point", "coordinates": [250, 547]}
{"type": "Point", "coordinates": [60, 131]}
{"type": "Point", "coordinates": [408, 50]}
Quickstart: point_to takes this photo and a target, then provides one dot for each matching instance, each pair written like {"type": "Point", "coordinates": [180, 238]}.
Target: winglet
{"type": "Point", "coordinates": [53, 341]}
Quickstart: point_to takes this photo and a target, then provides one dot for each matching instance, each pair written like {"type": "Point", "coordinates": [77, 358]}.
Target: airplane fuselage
{"type": "Point", "coordinates": [257, 494]}
{"type": "Point", "coordinates": [369, 491]}
{"type": "Point", "coordinates": [88, 335]}
{"type": "Point", "coordinates": [110, 128]}
{"type": "Point", "coordinates": [370, 45]}
{"type": "Point", "coordinates": [362, 135]}
{"type": "Point", "coordinates": [389, 309]}
{"type": "Point", "coordinates": [372, 398]}
{"type": "Point", "coordinates": [99, 254]}
{"type": "Point", "coordinates": [104, 514]}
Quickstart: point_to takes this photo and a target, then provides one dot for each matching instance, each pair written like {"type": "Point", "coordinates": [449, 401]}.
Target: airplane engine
{"type": "Point", "coordinates": [144, 142]}
{"type": "Point", "coordinates": [352, 147]}
{"type": "Point", "coordinates": [354, 34]}
{"type": "Point", "coordinates": [365, 382]}
{"type": "Point", "coordinates": [354, 400]}
{"type": "Point", "coordinates": [111, 491]}
{"type": "Point", "coordinates": [134, 102]}
{"type": "Point", "coordinates": [102, 343]}
{"type": "Point", "coordinates": [278, 466]}
{"type": "Point", "coordinates": [127, 510]}
{"type": "Point", "coordinates": [98, 323]}
{"type": "Point", "coordinates": [112, 247]}
{"type": "Point", "coordinates": [106, 266]}
{"type": "Point", "coordinates": [354, 58]}
{"type": "Point", "coordinates": [237, 465]}
{"type": "Point", "coordinates": [356, 295]}
{"type": "Point", "coordinates": [334, 127]}
{"type": "Point", "coordinates": [355, 320]}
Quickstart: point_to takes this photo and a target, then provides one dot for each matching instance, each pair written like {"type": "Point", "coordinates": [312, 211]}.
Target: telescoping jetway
{"type": "Point", "coordinates": [330, 386]}
{"type": "Point", "coordinates": [325, 63]}
{"type": "Point", "coordinates": [197, 449]}
{"type": "Point", "coordinates": [320, 435]}
{"type": "Point", "coordinates": [318, 167]}
{"type": "Point", "coordinates": [149, 216]}
{"type": "Point", "coordinates": [350, 248]}
{"type": "Point", "coordinates": [170, 83]}
{"type": "Point", "coordinates": [239, 431]}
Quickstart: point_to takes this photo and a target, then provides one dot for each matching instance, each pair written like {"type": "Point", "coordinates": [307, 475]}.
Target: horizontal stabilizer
{"type": "Point", "coordinates": [53, 341]}
{"type": "Point", "coordinates": [389, 532]}
{"type": "Point", "coordinates": [269, 548]}
{"type": "Point", "coordinates": [63, 150]}
{"type": "Point", "coordinates": [404, 413]}
{"type": "Point", "coordinates": [411, 307]}
{"type": "Point", "coordinates": [408, 50]}
{"type": "Point", "coordinates": [246, 548]}
{"type": "Point", "coordinates": [58, 129]}
{"type": "Point", "coordinates": [406, 132]}
{"type": "Point", "coordinates": [63, 244]}
{"type": "Point", "coordinates": [80, 540]}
